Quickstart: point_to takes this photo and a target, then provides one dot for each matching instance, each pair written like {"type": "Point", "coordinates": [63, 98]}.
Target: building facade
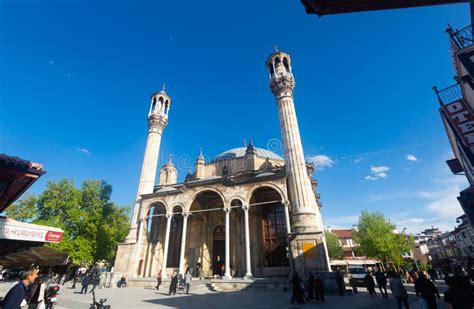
{"type": "Point", "coordinates": [456, 246]}
{"type": "Point", "coordinates": [247, 212]}
{"type": "Point", "coordinates": [457, 105]}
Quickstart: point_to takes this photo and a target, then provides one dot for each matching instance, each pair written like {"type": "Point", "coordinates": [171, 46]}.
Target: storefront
{"type": "Point", "coordinates": [22, 244]}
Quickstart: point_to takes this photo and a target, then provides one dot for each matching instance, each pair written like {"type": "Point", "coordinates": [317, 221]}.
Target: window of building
{"type": "Point", "coordinates": [274, 235]}
{"type": "Point", "coordinates": [464, 235]}
{"type": "Point", "coordinates": [471, 249]}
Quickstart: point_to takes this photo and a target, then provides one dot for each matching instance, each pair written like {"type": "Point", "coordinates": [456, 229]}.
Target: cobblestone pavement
{"type": "Point", "coordinates": [130, 298]}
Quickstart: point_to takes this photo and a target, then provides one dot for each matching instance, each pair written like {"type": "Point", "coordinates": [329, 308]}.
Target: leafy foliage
{"type": "Point", "coordinates": [24, 210]}
{"type": "Point", "coordinates": [334, 247]}
{"type": "Point", "coordinates": [377, 239]}
{"type": "Point", "coordinates": [92, 224]}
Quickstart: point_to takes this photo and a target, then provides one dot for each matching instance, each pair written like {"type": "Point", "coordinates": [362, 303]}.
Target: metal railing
{"type": "Point", "coordinates": [462, 38]}
{"type": "Point", "coordinates": [449, 94]}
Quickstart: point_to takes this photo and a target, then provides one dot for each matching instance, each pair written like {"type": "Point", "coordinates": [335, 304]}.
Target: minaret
{"type": "Point", "coordinates": [308, 245]}
{"type": "Point", "coordinates": [157, 121]}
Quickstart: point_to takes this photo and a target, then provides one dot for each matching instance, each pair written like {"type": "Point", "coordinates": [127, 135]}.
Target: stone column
{"type": "Point", "coordinates": [287, 217]}
{"type": "Point", "coordinates": [227, 274]}
{"type": "Point", "coordinates": [181, 269]}
{"type": "Point", "coordinates": [248, 273]}
{"type": "Point", "coordinates": [164, 274]}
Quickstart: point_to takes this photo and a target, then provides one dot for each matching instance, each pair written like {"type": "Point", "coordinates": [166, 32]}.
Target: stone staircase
{"type": "Point", "coordinates": [219, 285]}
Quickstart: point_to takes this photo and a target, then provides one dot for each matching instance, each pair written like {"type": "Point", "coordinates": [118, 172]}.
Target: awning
{"type": "Point", "coordinates": [16, 176]}
{"type": "Point", "coordinates": [42, 256]}
{"type": "Point", "coordinates": [15, 230]}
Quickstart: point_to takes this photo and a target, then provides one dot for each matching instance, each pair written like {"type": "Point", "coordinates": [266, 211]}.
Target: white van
{"type": "Point", "coordinates": [356, 273]}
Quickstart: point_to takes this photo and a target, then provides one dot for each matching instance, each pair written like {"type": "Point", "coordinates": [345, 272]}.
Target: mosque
{"type": "Point", "coordinates": [246, 213]}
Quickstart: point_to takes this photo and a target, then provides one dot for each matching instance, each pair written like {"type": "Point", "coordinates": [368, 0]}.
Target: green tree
{"type": "Point", "coordinates": [334, 246]}
{"type": "Point", "coordinates": [24, 210]}
{"type": "Point", "coordinates": [377, 239]}
{"type": "Point", "coordinates": [92, 224]}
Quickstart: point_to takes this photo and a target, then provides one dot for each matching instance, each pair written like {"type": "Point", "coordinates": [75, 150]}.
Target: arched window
{"type": "Point", "coordinates": [277, 61]}
{"type": "Point", "coordinates": [160, 103]}
{"type": "Point", "coordinates": [274, 235]}
{"type": "Point", "coordinates": [166, 107]}
{"type": "Point", "coordinates": [285, 63]}
{"type": "Point", "coordinates": [153, 105]}
{"type": "Point", "coordinates": [175, 238]}
{"type": "Point", "coordinates": [149, 225]}
{"type": "Point", "coordinates": [272, 72]}
{"type": "Point", "coordinates": [225, 170]}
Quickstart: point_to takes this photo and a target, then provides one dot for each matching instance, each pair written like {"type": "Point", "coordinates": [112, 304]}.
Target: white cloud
{"type": "Point", "coordinates": [357, 160]}
{"type": "Point", "coordinates": [379, 169]}
{"type": "Point", "coordinates": [343, 222]}
{"type": "Point", "coordinates": [84, 150]}
{"type": "Point", "coordinates": [321, 161]}
{"type": "Point", "coordinates": [377, 172]}
{"type": "Point", "coordinates": [445, 203]}
{"type": "Point", "coordinates": [411, 157]}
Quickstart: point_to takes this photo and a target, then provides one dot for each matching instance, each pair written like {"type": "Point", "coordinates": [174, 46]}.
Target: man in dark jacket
{"type": "Point", "coordinates": [17, 293]}
{"type": "Point", "coordinates": [319, 287]}
{"type": "Point", "coordinates": [340, 281]}
{"type": "Point", "coordinates": [427, 290]}
{"type": "Point", "coordinates": [370, 284]}
{"type": "Point", "coordinates": [381, 282]}
{"type": "Point", "coordinates": [85, 284]}
{"type": "Point", "coordinates": [174, 283]}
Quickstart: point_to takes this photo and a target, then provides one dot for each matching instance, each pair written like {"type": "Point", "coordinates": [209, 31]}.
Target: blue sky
{"type": "Point", "coordinates": [75, 80]}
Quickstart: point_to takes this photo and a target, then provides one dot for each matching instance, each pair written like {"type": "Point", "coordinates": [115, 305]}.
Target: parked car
{"type": "Point", "coordinates": [11, 274]}
{"type": "Point", "coordinates": [356, 274]}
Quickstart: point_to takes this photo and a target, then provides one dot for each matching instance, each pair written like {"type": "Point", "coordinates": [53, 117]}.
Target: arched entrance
{"type": "Point", "coordinates": [155, 232]}
{"type": "Point", "coordinates": [218, 250]}
{"type": "Point", "coordinates": [176, 230]}
{"type": "Point", "coordinates": [206, 215]}
{"type": "Point", "coordinates": [268, 233]}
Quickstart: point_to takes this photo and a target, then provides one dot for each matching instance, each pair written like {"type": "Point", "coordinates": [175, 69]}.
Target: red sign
{"type": "Point", "coordinates": [462, 119]}
{"type": "Point", "coordinates": [52, 236]}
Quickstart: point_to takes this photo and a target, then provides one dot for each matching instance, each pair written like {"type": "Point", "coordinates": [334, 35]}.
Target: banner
{"type": "Point", "coordinates": [461, 118]}
{"type": "Point", "coordinates": [29, 232]}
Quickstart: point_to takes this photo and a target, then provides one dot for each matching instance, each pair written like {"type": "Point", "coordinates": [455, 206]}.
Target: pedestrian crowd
{"type": "Point", "coordinates": [460, 294]}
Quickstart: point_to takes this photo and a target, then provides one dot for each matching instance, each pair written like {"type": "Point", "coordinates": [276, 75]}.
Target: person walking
{"type": "Point", "coordinates": [427, 290]}
{"type": "Point", "coordinates": [311, 286]}
{"type": "Point", "coordinates": [85, 283]}
{"type": "Point", "coordinates": [74, 280]}
{"type": "Point", "coordinates": [158, 279]}
{"type": "Point", "coordinates": [460, 293]}
{"type": "Point", "coordinates": [318, 287]}
{"type": "Point", "coordinates": [15, 297]}
{"type": "Point", "coordinates": [198, 269]}
{"type": "Point", "coordinates": [297, 289]}
{"type": "Point", "coordinates": [370, 284]}
{"type": "Point", "coordinates": [381, 282]}
{"type": "Point", "coordinates": [95, 279]}
{"type": "Point", "coordinates": [174, 283]}
{"type": "Point", "coordinates": [187, 281]}
{"type": "Point", "coordinates": [340, 281]}
{"type": "Point", "coordinates": [398, 290]}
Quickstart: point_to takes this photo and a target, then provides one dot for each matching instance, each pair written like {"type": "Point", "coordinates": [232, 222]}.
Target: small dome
{"type": "Point", "coordinates": [241, 151]}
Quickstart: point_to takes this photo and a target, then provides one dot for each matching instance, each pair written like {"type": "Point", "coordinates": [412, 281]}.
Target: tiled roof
{"type": "Point", "coordinates": [342, 233]}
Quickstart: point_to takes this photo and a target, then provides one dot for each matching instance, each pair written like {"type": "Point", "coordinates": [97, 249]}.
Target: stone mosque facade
{"type": "Point", "coordinates": [246, 213]}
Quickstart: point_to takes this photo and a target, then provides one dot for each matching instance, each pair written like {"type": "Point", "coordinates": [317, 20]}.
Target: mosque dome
{"type": "Point", "coordinates": [241, 151]}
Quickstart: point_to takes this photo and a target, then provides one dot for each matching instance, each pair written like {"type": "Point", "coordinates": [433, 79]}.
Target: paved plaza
{"type": "Point", "coordinates": [149, 298]}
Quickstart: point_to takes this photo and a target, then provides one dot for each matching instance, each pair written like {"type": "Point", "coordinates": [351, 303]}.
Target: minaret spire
{"type": "Point", "coordinates": [157, 121]}
{"type": "Point", "coordinates": [305, 215]}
